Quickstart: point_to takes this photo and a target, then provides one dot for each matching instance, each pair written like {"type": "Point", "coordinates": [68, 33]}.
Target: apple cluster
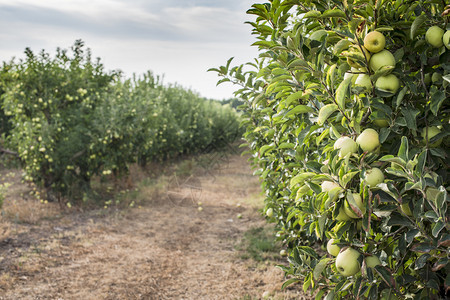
{"type": "Point", "coordinates": [437, 37]}
{"type": "Point", "coordinates": [374, 56]}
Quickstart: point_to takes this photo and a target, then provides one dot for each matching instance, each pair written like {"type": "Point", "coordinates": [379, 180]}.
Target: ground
{"type": "Point", "coordinates": [164, 247]}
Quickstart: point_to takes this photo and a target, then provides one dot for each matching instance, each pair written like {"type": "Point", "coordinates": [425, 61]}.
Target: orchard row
{"type": "Point", "coordinates": [69, 120]}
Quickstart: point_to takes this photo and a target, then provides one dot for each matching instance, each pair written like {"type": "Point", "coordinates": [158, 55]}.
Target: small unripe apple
{"type": "Point", "coordinates": [333, 249]}
{"type": "Point", "coordinates": [374, 41]}
{"type": "Point", "coordinates": [373, 177]}
{"type": "Point", "coordinates": [269, 212]}
{"type": "Point", "coordinates": [368, 140]}
{"type": "Point", "coordinates": [346, 145]}
{"type": "Point", "coordinates": [328, 186]}
{"type": "Point", "coordinates": [347, 262]}
{"type": "Point", "coordinates": [342, 216]}
{"type": "Point", "coordinates": [446, 39]}
{"type": "Point", "coordinates": [372, 261]}
{"type": "Point", "coordinates": [349, 211]}
{"type": "Point", "coordinates": [381, 59]}
{"type": "Point", "coordinates": [283, 252]}
{"type": "Point", "coordinates": [363, 80]}
{"type": "Point", "coordinates": [432, 131]}
{"type": "Point", "coordinates": [200, 208]}
{"type": "Point", "coordinates": [434, 36]}
{"type": "Point", "coordinates": [389, 83]}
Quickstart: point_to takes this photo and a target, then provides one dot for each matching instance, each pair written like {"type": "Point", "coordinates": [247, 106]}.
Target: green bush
{"type": "Point", "coordinates": [69, 120]}
{"type": "Point", "coordinates": [306, 117]}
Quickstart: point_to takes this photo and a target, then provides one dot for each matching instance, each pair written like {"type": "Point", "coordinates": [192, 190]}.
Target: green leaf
{"type": "Point", "coordinates": [437, 99]}
{"type": "Point", "coordinates": [318, 269]}
{"type": "Point", "coordinates": [422, 260]}
{"type": "Point", "coordinates": [348, 177]}
{"type": "Point", "coordinates": [312, 14]}
{"type": "Point", "coordinates": [403, 152]}
{"type": "Point", "coordinates": [437, 227]}
{"type": "Point", "coordinates": [399, 220]}
{"type": "Point", "coordinates": [334, 13]}
{"type": "Point", "coordinates": [341, 46]}
{"type": "Point", "coordinates": [300, 178]}
{"type": "Point", "coordinates": [325, 112]}
{"type": "Point", "coordinates": [410, 115]}
{"type": "Point", "coordinates": [401, 95]}
{"type": "Point", "coordinates": [386, 275]}
{"type": "Point", "coordinates": [300, 109]}
{"type": "Point", "coordinates": [289, 282]}
{"type": "Point", "coordinates": [342, 91]}
{"type": "Point", "coordinates": [416, 25]}
{"type": "Point", "coordinates": [266, 148]}
{"type": "Point", "coordinates": [294, 97]}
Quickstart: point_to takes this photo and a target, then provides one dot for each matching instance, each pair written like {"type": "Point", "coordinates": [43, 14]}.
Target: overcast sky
{"type": "Point", "coordinates": [179, 39]}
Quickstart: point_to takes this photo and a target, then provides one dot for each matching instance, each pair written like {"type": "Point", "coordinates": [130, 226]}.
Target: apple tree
{"type": "Point", "coordinates": [347, 120]}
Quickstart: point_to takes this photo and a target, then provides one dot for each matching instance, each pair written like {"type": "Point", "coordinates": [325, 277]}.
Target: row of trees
{"type": "Point", "coordinates": [347, 119]}
{"type": "Point", "coordinates": [69, 120]}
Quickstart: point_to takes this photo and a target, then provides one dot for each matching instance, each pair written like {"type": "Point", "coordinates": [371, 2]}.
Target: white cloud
{"type": "Point", "coordinates": [178, 38]}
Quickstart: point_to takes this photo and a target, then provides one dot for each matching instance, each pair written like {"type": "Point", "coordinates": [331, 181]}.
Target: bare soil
{"type": "Point", "coordinates": [163, 248]}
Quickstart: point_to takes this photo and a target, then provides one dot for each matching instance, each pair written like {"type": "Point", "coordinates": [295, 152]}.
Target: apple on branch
{"type": "Point", "coordinates": [347, 262]}
{"type": "Point", "coordinates": [332, 248]}
{"type": "Point", "coordinates": [434, 36]}
{"type": "Point", "coordinates": [381, 59]}
{"type": "Point", "coordinates": [431, 132]}
{"type": "Point", "coordinates": [345, 145]}
{"type": "Point", "coordinates": [389, 83]}
{"type": "Point", "coordinates": [374, 41]}
{"type": "Point", "coordinates": [446, 39]}
{"type": "Point", "coordinates": [368, 140]}
{"type": "Point", "coordinates": [373, 177]}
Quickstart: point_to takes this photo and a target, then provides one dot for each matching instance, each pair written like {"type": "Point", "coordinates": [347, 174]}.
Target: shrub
{"type": "Point", "coordinates": [301, 98]}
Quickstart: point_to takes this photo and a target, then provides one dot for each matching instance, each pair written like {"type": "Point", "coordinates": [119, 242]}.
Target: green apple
{"type": "Point", "coordinates": [368, 140]}
{"type": "Point", "coordinates": [283, 252]}
{"type": "Point", "coordinates": [382, 123]}
{"type": "Point", "coordinates": [342, 216]}
{"type": "Point", "coordinates": [200, 208]}
{"type": "Point", "coordinates": [374, 41]}
{"type": "Point", "coordinates": [363, 55]}
{"type": "Point", "coordinates": [345, 145]}
{"type": "Point", "coordinates": [446, 39]}
{"type": "Point", "coordinates": [434, 36]}
{"type": "Point", "coordinates": [381, 59]}
{"type": "Point", "coordinates": [379, 119]}
{"type": "Point", "coordinates": [347, 262]}
{"type": "Point", "coordinates": [389, 83]}
{"type": "Point", "coordinates": [328, 186]}
{"type": "Point", "coordinates": [373, 177]}
{"type": "Point", "coordinates": [372, 261]}
{"type": "Point", "coordinates": [349, 211]}
{"type": "Point", "coordinates": [269, 212]}
{"type": "Point", "coordinates": [432, 131]}
{"type": "Point", "coordinates": [363, 80]}
{"type": "Point", "coordinates": [333, 249]}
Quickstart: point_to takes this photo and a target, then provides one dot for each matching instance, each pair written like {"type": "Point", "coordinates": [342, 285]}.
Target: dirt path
{"type": "Point", "coordinates": [165, 249]}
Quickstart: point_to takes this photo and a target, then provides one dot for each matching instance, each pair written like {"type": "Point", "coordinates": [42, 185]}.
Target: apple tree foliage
{"type": "Point", "coordinates": [69, 120]}
{"type": "Point", "coordinates": [301, 97]}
